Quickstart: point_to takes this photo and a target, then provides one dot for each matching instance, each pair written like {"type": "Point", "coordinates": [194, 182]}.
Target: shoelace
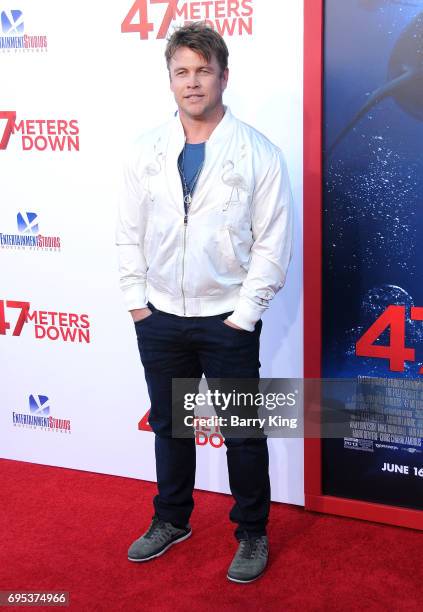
{"type": "Point", "coordinates": [158, 530]}
{"type": "Point", "coordinates": [248, 548]}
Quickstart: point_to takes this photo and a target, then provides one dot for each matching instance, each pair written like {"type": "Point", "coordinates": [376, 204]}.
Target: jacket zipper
{"type": "Point", "coordinates": [183, 261]}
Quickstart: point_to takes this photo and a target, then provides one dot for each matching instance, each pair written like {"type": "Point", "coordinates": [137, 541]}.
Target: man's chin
{"type": "Point", "coordinates": [195, 113]}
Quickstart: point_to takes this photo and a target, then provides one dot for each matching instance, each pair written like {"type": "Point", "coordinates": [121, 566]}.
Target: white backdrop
{"type": "Point", "coordinates": [112, 86]}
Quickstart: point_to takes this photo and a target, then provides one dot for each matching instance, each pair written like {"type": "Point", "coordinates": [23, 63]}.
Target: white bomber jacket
{"type": "Point", "coordinates": [232, 250]}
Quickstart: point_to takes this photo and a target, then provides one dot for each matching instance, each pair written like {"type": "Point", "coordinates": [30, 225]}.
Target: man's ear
{"type": "Point", "coordinates": [225, 77]}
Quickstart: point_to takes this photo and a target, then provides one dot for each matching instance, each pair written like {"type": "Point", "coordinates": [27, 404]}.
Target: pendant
{"type": "Point", "coordinates": [188, 199]}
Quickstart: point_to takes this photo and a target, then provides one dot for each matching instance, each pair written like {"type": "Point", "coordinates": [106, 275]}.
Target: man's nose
{"type": "Point", "coordinates": [193, 80]}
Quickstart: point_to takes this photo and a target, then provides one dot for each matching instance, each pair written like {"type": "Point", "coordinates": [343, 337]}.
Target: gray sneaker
{"type": "Point", "coordinates": [154, 542]}
{"type": "Point", "coordinates": [250, 559]}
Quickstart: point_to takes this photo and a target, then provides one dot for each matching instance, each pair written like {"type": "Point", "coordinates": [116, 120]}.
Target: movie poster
{"type": "Point", "coordinates": [373, 247]}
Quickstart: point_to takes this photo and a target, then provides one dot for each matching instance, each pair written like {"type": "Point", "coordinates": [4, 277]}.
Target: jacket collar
{"type": "Point", "coordinates": [176, 142]}
{"type": "Point", "coordinates": [218, 135]}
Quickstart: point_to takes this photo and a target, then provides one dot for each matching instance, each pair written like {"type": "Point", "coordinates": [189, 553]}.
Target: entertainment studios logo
{"type": "Point", "coordinates": [38, 417]}
{"type": "Point", "coordinates": [39, 134]}
{"type": "Point", "coordinates": [13, 36]}
{"type": "Point", "coordinates": [28, 236]}
{"type": "Point", "coordinates": [156, 17]}
{"type": "Point", "coordinates": [203, 435]}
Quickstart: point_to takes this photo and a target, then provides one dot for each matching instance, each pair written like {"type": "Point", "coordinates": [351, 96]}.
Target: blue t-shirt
{"type": "Point", "coordinates": [193, 159]}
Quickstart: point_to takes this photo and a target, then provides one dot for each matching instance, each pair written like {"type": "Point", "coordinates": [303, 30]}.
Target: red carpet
{"type": "Point", "coordinates": [70, 530]}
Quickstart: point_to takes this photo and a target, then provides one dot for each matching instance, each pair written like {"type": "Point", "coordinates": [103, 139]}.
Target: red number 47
{"type": "Point", "coordinates": [396, 351]}
{"type": "Point", "coordinates": [4, 326]}
{"type": "Point", "coordinates": [143, 26]}
{"type": "Point", "coordinates": [10, 117]}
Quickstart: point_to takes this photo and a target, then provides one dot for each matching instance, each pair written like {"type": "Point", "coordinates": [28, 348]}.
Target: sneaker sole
{"type": "Point", "coordinates": [181, 539]}
{"type": "Point", "coordinates": [237, 580]}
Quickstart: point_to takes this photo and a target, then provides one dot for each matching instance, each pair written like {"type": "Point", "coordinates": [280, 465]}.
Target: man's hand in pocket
{"type": "Point", "coordinates": [140, 313]}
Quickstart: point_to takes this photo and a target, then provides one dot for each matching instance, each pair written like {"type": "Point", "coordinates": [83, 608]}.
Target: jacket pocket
{"type": "Point", "coordinates": [229, 257]}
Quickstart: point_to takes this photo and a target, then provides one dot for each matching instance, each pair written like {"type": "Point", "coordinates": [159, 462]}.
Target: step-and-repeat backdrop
{"type": "Point", "coordinates": [79, 83]}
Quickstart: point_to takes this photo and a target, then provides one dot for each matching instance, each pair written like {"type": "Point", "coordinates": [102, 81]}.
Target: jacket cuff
{"type": "Point", "coordinates": [134, 297]}
{"type": "Point", "coordinates": [246, 315]}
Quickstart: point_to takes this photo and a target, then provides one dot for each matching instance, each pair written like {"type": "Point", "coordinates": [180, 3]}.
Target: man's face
{"type": "Point", "coordinates": [197, 85]}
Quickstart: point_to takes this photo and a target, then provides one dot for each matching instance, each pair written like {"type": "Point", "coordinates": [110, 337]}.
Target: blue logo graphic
{"type": "Point", "coordinates": [28, 223]}
{"type": "Point", "coordinates": [12, 23]}
{"type": "Point", "coordinates": [39, 404]}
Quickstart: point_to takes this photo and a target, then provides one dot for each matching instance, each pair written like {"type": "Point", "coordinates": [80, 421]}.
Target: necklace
{"type": "Point", "coordinates": [188, 187]}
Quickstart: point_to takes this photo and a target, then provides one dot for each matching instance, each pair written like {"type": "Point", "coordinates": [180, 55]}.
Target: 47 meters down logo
{"type": "Point", "coordinates": [39, 134]}
{"type": "Point", "coordinates": [47, 324]}
{"type": "Point", "coordinates": [203, 435]}
{"type": "Point", "coordinates": [228, 17]}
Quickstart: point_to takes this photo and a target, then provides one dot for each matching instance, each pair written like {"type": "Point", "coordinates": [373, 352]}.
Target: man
{"type": "Point", "coordinates": [204, 238]}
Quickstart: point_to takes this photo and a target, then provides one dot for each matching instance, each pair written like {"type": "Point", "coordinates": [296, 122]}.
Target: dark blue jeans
{"type": "Point", "coordinates": [186, 347]}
